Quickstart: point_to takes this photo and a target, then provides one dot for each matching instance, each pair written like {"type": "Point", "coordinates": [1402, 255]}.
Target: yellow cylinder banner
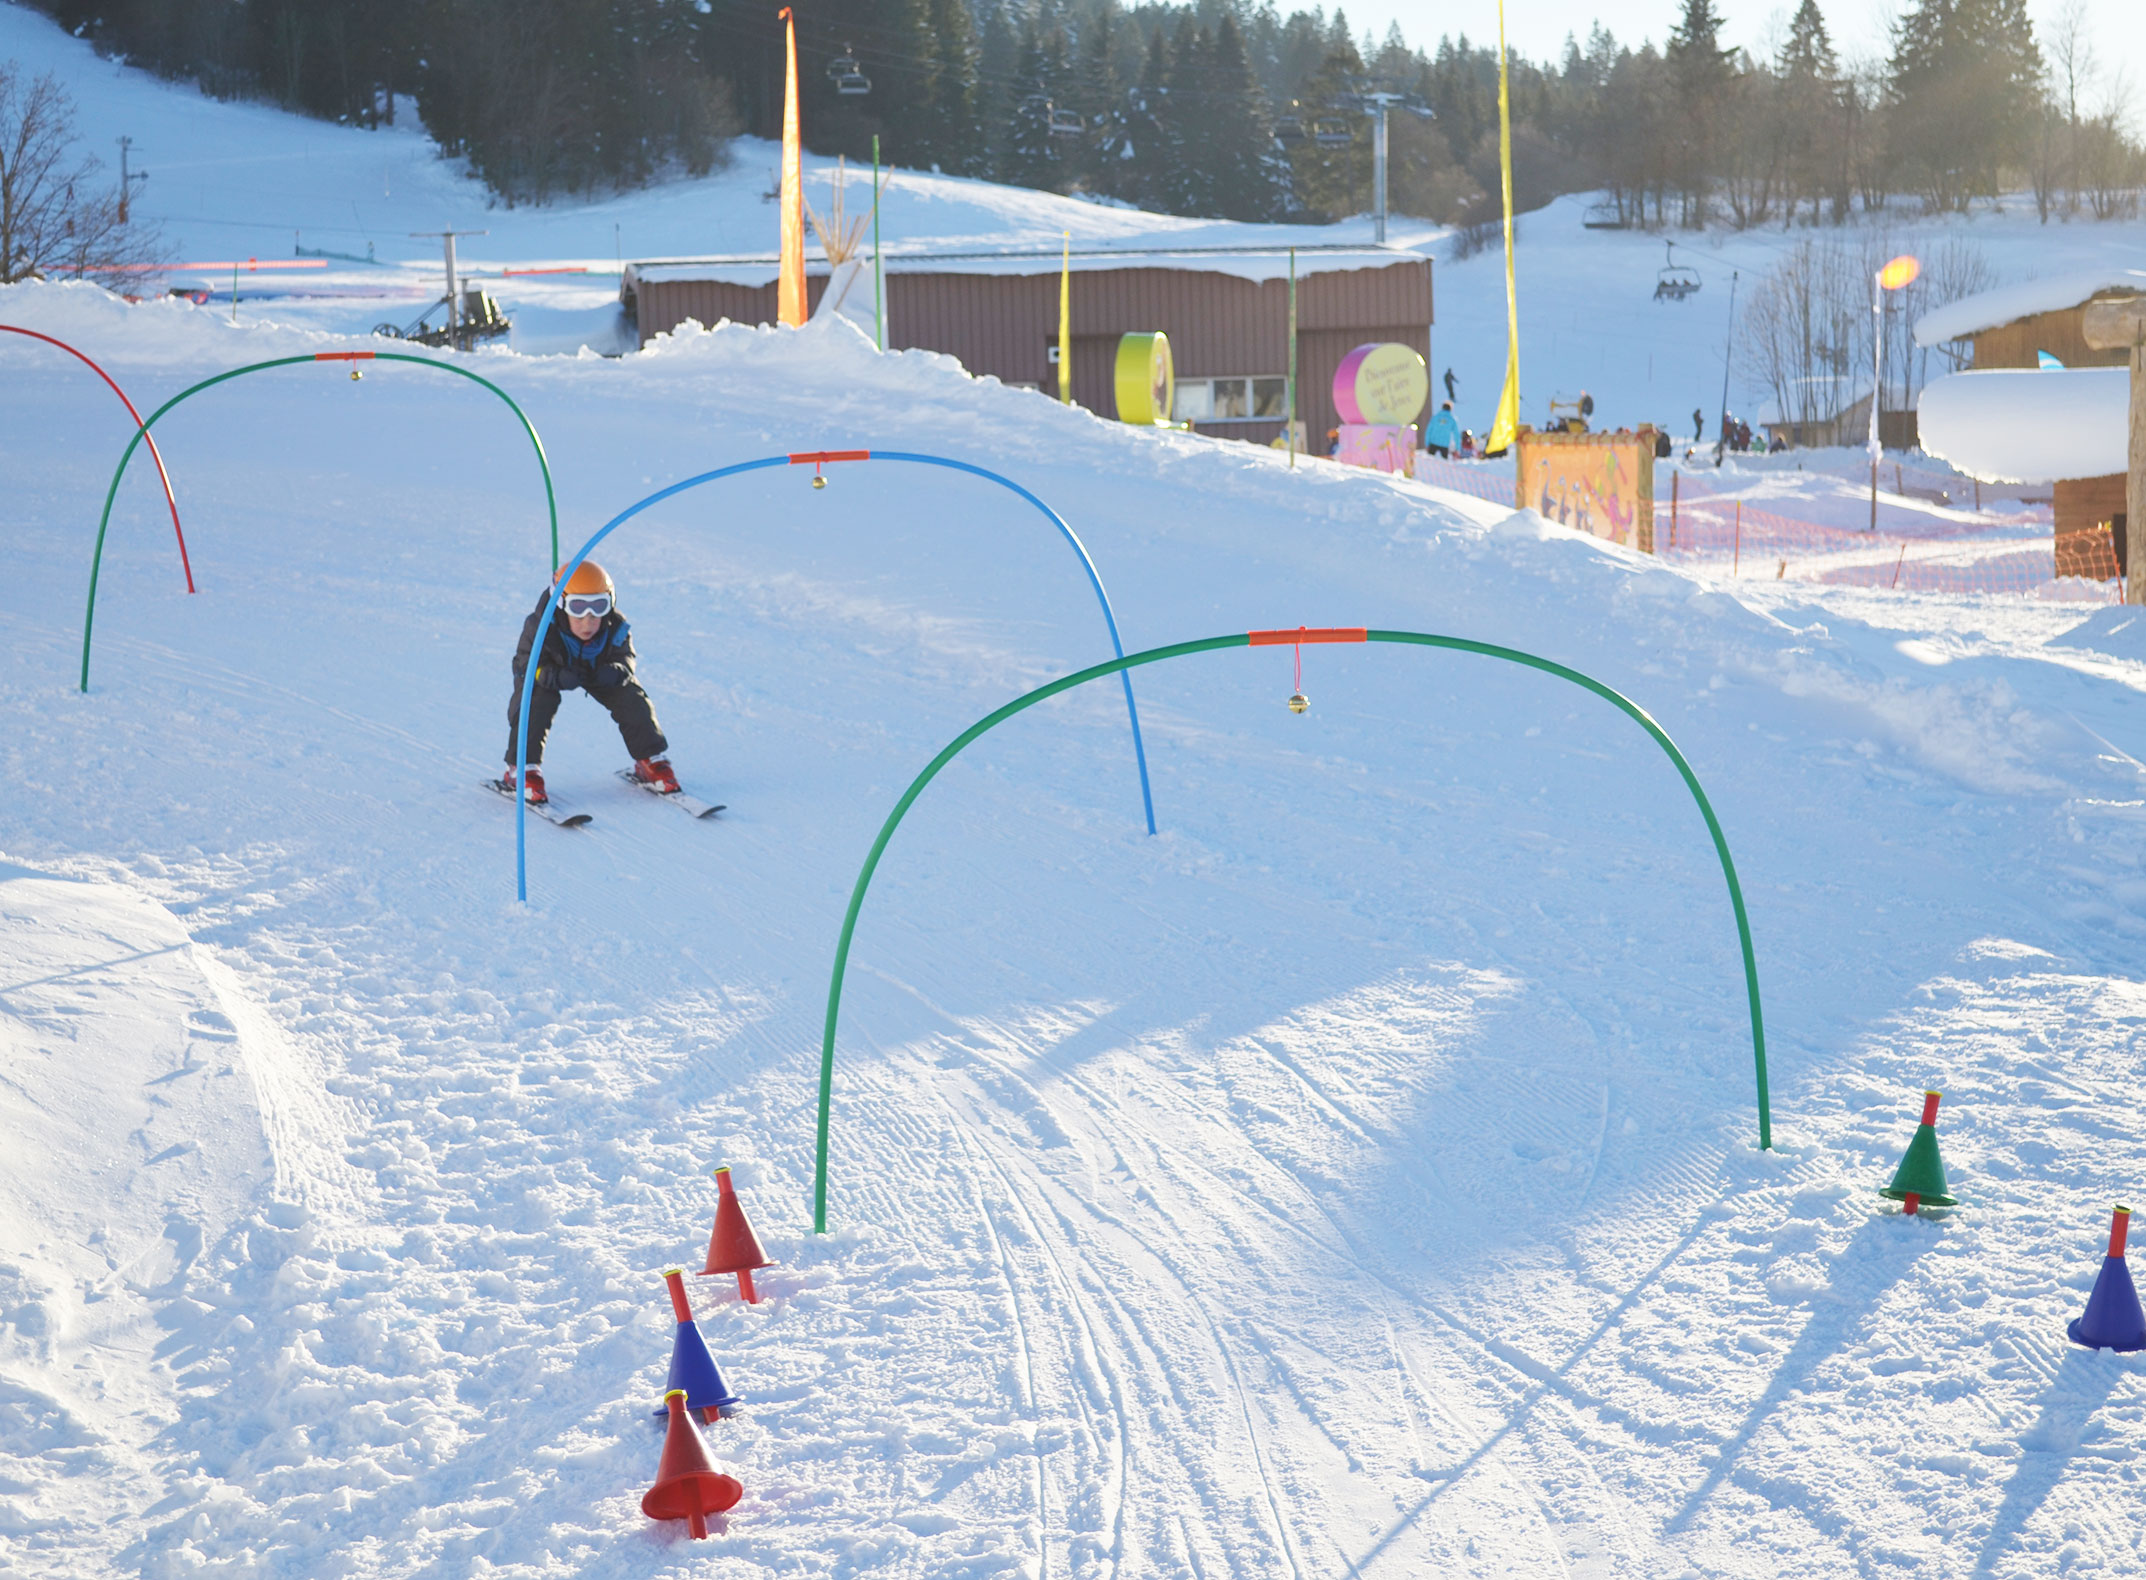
{"type": "Point", "coordinates": [1146, 382]}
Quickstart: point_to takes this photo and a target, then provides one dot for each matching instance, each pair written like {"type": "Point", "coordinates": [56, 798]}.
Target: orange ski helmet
{"type": "Point", "coordinates": [588, 577]}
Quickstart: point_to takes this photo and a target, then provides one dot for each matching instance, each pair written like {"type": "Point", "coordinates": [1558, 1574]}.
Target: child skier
{"type": "Point", "coordinates": [589, 648]}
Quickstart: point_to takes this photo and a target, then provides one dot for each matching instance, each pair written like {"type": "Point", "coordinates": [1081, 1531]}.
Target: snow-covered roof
{"type": "Point", "coordinates": [2028, 425]}
{"type": "Point", "coordinates": [1255, 263]}
{"type": "Point", "coordinates": [1970, 315]}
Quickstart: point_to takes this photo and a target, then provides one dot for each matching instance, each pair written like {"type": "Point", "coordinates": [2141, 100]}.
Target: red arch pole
{"type": "Point", "coordinates": [154, 453]}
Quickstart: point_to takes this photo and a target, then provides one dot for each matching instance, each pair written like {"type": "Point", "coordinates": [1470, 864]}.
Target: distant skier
{"type": "Point", "coordinates": [1443, 434]}
{"type": "Point", "coordinates": [1451, 393]}
{"type": "Point", "coordinates": [588, 648]}
{"type": "Point", "coordinates": [1698, 425]}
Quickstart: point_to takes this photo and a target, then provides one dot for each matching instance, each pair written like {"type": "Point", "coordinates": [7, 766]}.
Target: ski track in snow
{"type": "Point", "coordinates": [1354, 1180]}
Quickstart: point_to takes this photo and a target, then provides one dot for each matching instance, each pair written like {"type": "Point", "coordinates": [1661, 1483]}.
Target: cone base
{"type": "Point", "coordinates": [696, 1492]}
{"type": "Point", "coordinates": [2072, 1328]}
{"type": "Point", "coordinates": [1922, 1198]}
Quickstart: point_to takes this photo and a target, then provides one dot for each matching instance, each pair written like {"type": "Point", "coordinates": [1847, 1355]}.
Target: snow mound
{"type": "Point", "coordinates": [2009, 425]}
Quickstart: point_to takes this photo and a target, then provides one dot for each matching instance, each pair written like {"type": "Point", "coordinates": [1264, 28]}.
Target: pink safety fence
{"type": "Point", "coordinates": [1694, 525]}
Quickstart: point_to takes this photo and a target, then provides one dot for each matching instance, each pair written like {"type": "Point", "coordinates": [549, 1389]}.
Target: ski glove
{"type": "Point", "coordinates": [607, 676]}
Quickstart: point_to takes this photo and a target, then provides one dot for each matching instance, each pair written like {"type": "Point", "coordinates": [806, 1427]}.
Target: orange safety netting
{"type": "Point", "coordinates": [1698, 527]}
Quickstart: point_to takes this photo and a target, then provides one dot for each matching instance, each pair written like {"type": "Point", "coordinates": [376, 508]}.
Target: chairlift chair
{"type": "Point", "coordinates": [1331, 131]}
{"type": "Point", "coordinates": [845, 74]}
{"type": "Point", "coordinates": [1289, 131]}
{"type": "Point", "coordinates": [1067, 123]}
{"type": "Point", "coordinates": [1675, 280]}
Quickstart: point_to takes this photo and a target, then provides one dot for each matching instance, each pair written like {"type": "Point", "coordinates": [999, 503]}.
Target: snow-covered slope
{"type": "Point", "coordinates": [1355, 1178]}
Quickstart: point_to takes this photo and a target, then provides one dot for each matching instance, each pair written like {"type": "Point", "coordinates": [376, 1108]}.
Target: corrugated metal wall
{"type": "Point", "coordinates": [1218, 325]}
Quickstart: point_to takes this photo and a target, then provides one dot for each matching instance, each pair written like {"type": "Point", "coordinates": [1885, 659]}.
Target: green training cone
{"type": "Point", "coordinates": [1921, 1180]}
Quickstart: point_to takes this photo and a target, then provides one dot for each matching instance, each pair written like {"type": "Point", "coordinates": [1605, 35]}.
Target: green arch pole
{"type": "Point", "coordinates": [1298, 637]}
{"type": "Point", "coordinates": [96, 564]}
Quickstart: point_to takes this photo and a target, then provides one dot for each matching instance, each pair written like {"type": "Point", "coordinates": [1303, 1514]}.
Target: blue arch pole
{"type": "Point", "coordinates": [816, 459]}
{"type": "Point", "coordinates": [1117, 648]}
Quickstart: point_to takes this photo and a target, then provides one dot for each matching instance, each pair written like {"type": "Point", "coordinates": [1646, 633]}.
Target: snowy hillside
{"type": "Point", "coordinates": [1357, 1177]}
{"type": "Point", "coordinates": [1354, 1179]}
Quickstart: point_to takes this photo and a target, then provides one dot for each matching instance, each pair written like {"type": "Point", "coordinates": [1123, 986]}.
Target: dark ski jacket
{"type": "Point", "coordinates": [604, 661]}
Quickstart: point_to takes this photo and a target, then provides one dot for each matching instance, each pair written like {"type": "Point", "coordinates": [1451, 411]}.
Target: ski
{"type": "Point", "coordinates": [684, 802]}
{"type": "Point", "coordinates": [549, 811]}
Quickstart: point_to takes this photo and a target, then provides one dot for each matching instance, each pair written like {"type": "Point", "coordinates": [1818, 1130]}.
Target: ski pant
{"type": "Point", "coordinates": [628, 706]}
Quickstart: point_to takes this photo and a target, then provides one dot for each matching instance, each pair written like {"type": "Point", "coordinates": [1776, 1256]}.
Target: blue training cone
{"type": "Point", "coordinates": [692, 1367]}
{"type": "Point", "coordinates": [2112, 1319]}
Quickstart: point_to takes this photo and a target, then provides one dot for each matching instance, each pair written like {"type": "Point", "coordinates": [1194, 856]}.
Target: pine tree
{"type": "Point", "coordinates": [1808, 49]}
{"type": "Point", "coordinates": [1034, 157]}
{"type": "Point", "coordinates": [1188, 186]}
{"type": "Point", "coordinates": [1249, 180]}
{"type": "Point", "coordinates": [1152, 150]}
{"type": "Point", "coordinates": [1966, 90]}
{"type": "Point", "coordinates": [1094, 95]}
{"type": "Point", "coordinates": [1702, 72]}
{"type": "Point", "coordinates": [954, 135]}
{"type": "Point", "coordinates": [998, 59]}
{"type": "Point", "coordinates": [1333, 181]}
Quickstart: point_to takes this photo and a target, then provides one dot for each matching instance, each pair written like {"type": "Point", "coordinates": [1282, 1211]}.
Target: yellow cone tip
{"type": "Point", "coordinates": [670, 1270]}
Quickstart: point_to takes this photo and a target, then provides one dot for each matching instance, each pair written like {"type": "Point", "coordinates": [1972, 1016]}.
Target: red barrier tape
{"type": "Point", "coordinates": [820, 457]}
{"type": "Point", "coordinates": [344, 356]}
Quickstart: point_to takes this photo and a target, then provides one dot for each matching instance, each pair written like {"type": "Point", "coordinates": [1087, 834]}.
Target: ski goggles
{"type": "Point", "coordinates": [586, 606]}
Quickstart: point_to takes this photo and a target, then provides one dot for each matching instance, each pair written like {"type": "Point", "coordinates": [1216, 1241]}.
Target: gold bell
{"type": "Point", "coordinates": [818, 481]}
{"type": "Point", "coordinates": [1298, 702]}
{"type": "Point", "coordinates": [355, 375]}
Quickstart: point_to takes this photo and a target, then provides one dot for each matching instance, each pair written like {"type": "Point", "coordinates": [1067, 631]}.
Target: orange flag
{"type": "Point", "coordinates": [790, 283]}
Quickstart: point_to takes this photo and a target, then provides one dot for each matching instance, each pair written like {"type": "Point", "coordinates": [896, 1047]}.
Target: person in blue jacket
{"type": "Point", "coordinates": [1443, 433]}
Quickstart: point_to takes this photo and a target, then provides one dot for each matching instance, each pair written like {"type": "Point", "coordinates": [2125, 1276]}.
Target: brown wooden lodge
{"type": "Point", "coordinates": [998, 314]}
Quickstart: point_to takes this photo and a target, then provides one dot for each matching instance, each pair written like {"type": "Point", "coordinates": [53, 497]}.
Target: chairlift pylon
{"type": "Point", "coordinates": [1675, 281]}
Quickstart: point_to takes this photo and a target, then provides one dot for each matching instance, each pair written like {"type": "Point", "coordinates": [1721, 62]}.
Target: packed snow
{"type": "Point", "coordinates": [1358, 1177]}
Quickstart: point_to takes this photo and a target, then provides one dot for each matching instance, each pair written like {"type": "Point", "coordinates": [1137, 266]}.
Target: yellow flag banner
{"type": "Point", "coordinates": [790, 282]}
{"type": "Point", "coordinates": [1507, 421]}
{"type": "Point", "coordinates": [1065, 323]}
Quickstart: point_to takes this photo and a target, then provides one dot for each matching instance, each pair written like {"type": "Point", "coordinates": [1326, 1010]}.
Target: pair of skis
{"type": "Point", "coordinates": [552, 812]}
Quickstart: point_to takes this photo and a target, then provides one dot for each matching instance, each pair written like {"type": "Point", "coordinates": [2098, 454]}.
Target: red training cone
{"type": "Point", "coordinates": [732, 1245]}
{"type": "Point", "coordinates": [688, 1486]}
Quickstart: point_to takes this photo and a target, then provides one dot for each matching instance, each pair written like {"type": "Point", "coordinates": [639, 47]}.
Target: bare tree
{"type": "Point", "coordinates": [56, 217]}
{"type": "Point", "coordinates": [1806, 334]}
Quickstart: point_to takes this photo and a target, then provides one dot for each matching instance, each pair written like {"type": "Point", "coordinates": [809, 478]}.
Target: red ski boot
{"type": "Point", "coordinates": [655, 772]}
{"type": "Point", "coordinates": [534, 785]}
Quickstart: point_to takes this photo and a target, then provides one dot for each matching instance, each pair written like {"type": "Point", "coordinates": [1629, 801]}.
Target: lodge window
{"type": "Point", "coordinates": [1246, 399]}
